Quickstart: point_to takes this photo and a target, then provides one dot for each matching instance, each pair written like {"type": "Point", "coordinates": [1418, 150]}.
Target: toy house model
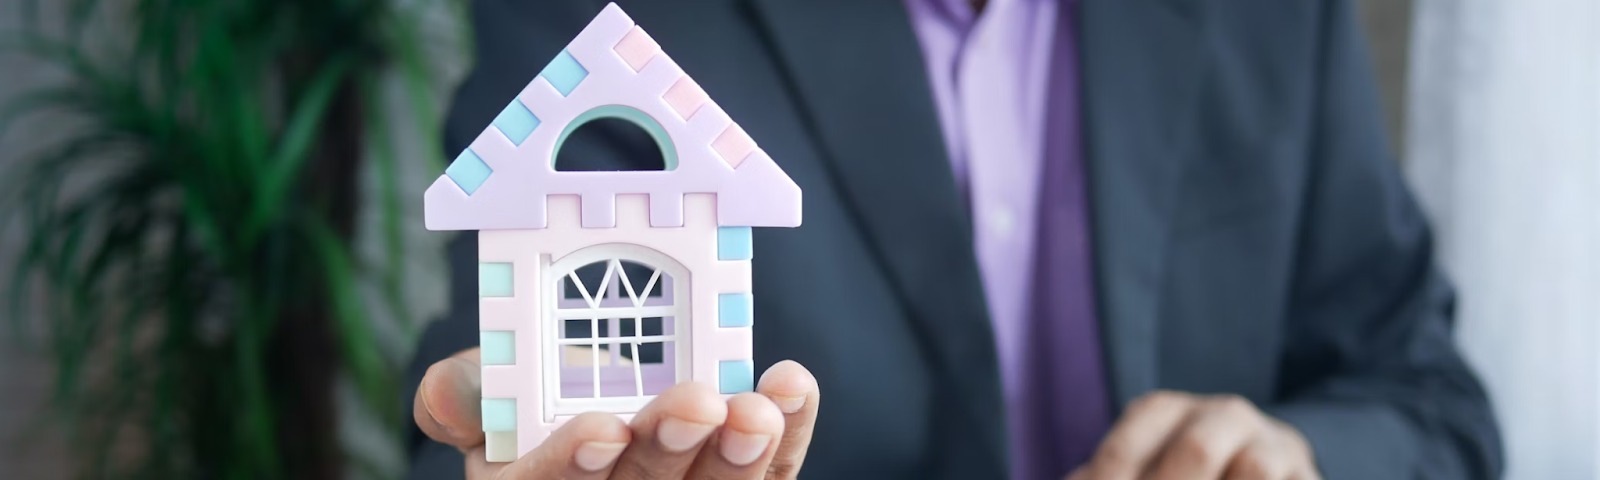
{"type": "Point", "coordinates": [598, 290]}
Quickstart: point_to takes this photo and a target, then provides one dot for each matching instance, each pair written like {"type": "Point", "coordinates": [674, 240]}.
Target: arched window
{"type": "Point", "coordinates": [629, 138]}
{"type": "Point", "coordinates": [609, 144]}
{"type": "Point", "coordinates": [616, 335]}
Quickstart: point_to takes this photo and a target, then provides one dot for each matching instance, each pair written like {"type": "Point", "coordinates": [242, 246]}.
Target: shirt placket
{"type": "Point", "coordinates": [1002, 164]}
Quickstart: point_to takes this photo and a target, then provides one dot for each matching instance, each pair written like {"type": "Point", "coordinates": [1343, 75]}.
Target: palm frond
{"type": "Point", "coordinates": [177, 222]}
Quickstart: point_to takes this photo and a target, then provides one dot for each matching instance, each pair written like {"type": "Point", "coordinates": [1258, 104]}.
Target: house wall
{"type": "Point", "coordinates": [694, 246]}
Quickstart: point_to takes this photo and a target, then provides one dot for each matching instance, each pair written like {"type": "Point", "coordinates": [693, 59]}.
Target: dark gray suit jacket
{"type": "Point", "coordinates": [1251, 231]}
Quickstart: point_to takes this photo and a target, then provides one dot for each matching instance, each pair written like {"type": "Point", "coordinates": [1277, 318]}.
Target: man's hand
{"type": "Point", "coordinates": [687, 432]}
{"type": "Point", "coordinates": [1173, 436]}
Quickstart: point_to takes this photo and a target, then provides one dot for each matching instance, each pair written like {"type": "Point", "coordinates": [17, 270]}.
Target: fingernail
{"type": "Point", "coordinates": [678, 435]}
{"type": "Point", "coordinates": [743, 448]}
{"type": "Point", "coordinates": [468, 379]}
{"type": "Point", "coordinates": [596, 456]}
{"type": "Point", "coordinates": [789, 404]}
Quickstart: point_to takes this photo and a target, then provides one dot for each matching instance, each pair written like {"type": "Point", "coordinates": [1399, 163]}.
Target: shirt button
{"type": "Point", "coordinates": [1001, 221]}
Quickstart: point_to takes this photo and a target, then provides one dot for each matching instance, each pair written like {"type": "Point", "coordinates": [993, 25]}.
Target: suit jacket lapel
{"type": "Point", "coordinates": [1140, 68]}
{"type": "Point", "coordinates": [857, 70]}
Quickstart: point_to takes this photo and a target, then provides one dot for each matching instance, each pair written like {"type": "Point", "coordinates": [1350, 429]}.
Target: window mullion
{"type": "Point", "coordinates": [615, 331]}
{"type": "Point", "coordinates": [649, 285]}
{"type": "Point", "coordinates": [591, 342]}
{"type": "Point", "coordinates": [638, 378]}
{"type": "Point", "coordinates": [633, 296]}
{"type": "Point", "coordinates": [618, 312]}
{"type": "Point", "coordinates": [614, 337]}
{"type": "Point", "coordinates": [594, 352]}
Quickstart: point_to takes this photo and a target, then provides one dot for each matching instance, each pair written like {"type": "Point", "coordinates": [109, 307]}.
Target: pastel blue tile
{"type": "Point", "coordinates": [733, 243]}
{"type": "Point", "coordinates": [516, 121]}
{"type": "Point", "coordinates": [733, 376]}
{"type": "Point", "coordinates": [494, 280]}
{"type": "Point", "coordinates": [564, 72]}
{"type": "Point", "coordinates": [734, 310]}
{"type": "Point", "coordinates": [468, 171]}
{"type": "Point", "coordinates": [499, 414]}
{"type": "Point", "coordinates": [498, 347]}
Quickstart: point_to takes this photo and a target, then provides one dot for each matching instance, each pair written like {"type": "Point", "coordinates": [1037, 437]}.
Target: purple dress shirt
{"type": "Point", "coordinates": [1005, 84]}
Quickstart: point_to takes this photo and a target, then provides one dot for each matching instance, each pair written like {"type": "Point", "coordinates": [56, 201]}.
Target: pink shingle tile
{"type": "Point", "coordinates": [637, 48]}
{"type": "Point", "coordinates": [685, 97]}
{"type": "Point", "coordinates": [733, 145]}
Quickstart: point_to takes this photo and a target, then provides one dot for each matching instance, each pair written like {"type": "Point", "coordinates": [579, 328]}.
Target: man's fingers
{"type": "Point", "coordinates": [794, 391]}
{"type": "Point", "coordinates": [1219, 429]}
{"type": "Point", "coordinates": [744, 446]}
{"type": "Point", "coordinates": [670, 431]}
{"type": "Point", "coordinates": [1135, 440]}
{"type": "Point", "coordinates": [1280, 453]}
{"type": "Point", "coordinates": [585, 448]}
{"type": "Point", "coordinates": [1262, 459]}
{"type": "Point", "coordinates": [447, 406]}
{"type": "Point", "coordinates": [767, 433]}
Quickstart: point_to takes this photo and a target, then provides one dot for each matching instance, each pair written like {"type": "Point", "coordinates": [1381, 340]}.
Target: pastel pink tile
{"type": "Point", "coordinates": [685, 97]}
{"type": "Point", "coordinates": [734, 145]}
{"type": "Point", "coordinates": [637, 48]}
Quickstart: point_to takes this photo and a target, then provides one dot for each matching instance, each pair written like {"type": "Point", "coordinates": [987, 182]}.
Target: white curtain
{"type": "Point", "coordinates": [1504, 151]}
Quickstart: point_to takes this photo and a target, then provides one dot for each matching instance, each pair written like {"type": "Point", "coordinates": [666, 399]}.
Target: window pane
{"type": "Point", "coordinates": [661, 293]}
{"type": "Point", "coordinates": [617, 380]}
{"type": "Point", "coordinates": [657, 377]}
{"type": "Point", "coordinates": [639, 276]}
{"type": "Point", "coordinates": [590, 275]}
{"type": "Point", "coordinates": [577, 374]}
{"type": "Point", "coordinates": [577, 356]}
{"type": "Point", "coordinates": [650, 353]}
{"type": "Point", "coordinates": [576, 329]}
{"type": "Point", "coordinates": [608, 364]}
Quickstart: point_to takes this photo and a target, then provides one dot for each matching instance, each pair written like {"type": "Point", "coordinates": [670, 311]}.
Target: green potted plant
{"type": "Point", "coordinates": [189, 238]}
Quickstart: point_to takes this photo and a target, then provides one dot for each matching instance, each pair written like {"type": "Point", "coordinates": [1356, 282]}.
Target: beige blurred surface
{"type": "Point", "coordinates": [28, 448]}
{"type": "Point", "coordinates": [1388, 24]}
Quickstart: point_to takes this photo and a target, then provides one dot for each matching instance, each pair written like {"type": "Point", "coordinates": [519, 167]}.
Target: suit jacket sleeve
{"type": "Point", "coordinates": [1371, 374]}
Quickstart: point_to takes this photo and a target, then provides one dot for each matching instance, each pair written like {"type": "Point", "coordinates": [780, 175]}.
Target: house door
{"type": "Point", "coordinates": [616, 329]}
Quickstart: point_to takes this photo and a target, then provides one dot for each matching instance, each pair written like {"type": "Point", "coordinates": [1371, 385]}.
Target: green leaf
{"type": "Point", "coordinates": [298, 136]}
{"type": "Point", "coordinates": [363, 358]}
{"type": "Point", "coordinates": [162, 275]}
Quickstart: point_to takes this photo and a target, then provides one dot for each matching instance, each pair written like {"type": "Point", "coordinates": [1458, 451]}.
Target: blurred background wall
{"type": "Point", "coordinates": [1504, 152]}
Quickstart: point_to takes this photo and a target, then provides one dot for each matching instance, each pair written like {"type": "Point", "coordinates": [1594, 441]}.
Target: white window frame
{"type": "Point", "coordinates": [554, 317]}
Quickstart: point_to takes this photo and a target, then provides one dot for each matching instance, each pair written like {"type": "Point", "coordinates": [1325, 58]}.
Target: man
{"type": "Point", "coordinates": [1109, 239]}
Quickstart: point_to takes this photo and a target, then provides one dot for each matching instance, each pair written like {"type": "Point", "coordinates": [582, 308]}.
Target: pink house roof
{"type": "Point", "coordinates": [612, 69]}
